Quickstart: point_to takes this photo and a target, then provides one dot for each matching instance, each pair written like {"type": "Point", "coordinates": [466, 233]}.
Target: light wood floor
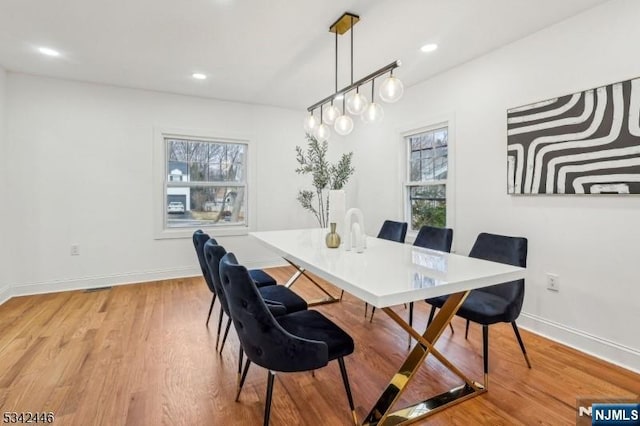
{"type": "Point", "coordinates": [141, 355]}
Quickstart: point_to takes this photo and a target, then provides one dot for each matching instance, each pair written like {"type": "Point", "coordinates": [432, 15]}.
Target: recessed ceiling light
{"type": "Point", "coordinates": [199, 76]}
{"type": "Point", "coordinates": [429, 47]}
{"type": "Point", "coordinates": [48, 51]}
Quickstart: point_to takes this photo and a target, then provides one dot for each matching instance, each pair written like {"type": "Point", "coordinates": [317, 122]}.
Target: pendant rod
{"type": "Point", "coordinates": [352, 50]}
{"type": "Point", "coordinates": [393, 65]}
{"type": "Point", "coordinates": [336, 80]}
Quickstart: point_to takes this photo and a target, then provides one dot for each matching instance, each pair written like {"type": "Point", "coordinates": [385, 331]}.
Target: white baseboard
{"type": "Point", "coordinates": [5, 294]}
{"type": "Point", "coordinates": [615, 353]}
{"type": "Point", "coordinates": [85, 283]}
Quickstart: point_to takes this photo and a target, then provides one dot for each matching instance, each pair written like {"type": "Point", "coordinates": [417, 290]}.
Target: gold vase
{"type": "Point", "coordinates": [332, 239]}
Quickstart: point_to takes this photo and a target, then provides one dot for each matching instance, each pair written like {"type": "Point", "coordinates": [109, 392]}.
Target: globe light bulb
{"type": "Point", "coordinates": [356, 103]}
{"type": "Point", "coordinates": [331, 114]}
{"type": "Point", "coordinates": [343, 125]}
{"type": "Point", "coordinates": [310, 123]}
{"type": "Point", "coordinates": [373, 113]}
{"type": "Point", "coordinates": [391, 89]}
{"type": "Point", "coordinates": [322, 132]}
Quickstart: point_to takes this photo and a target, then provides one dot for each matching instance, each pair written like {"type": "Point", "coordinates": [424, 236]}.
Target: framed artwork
{"type": "Point", "coordinates": [584, 143]}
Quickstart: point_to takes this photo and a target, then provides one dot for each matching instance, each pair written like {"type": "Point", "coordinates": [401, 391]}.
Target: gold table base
{"type": "Point", "coordinates": [382, 414]}
{"type": "Point", "coordinates": [432, 405]}
{"type": "Point", "coordinates": [300, 272]}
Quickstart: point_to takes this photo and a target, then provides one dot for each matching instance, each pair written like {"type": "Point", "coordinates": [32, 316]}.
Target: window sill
{"type": "Point", "coordinates": [229, 231]}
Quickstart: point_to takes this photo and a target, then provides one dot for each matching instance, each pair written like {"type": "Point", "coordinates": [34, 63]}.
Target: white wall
{"type": "Point", "coordinates": [81, 168]}
{"type": "Point", "coordinates": [591, 242]}
{"type": "Point", "coordinates": [4, 270]}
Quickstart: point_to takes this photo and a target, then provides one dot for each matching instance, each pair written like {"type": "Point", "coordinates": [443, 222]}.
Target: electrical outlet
{"type": "Point", "coordinates": [75, 250]}
{"type": "Point", "coordinates": [553, 282]}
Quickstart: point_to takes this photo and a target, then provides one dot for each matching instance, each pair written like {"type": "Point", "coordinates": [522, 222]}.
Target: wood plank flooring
{"type": "Point", "coordinates": [141, 355]}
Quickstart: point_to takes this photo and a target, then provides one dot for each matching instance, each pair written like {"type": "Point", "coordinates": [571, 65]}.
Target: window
{"type": "Point", "coordinates": [427, 177]}
{"type": "Point", "coordinates": [204, 184]}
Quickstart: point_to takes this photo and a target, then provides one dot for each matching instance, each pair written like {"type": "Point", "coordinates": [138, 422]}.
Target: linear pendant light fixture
{"type": "Point", "coordinates": [352, 101]}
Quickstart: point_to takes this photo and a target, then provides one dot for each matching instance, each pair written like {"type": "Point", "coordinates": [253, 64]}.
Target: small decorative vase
{"type": "Point", "coordinates": [332, 239]}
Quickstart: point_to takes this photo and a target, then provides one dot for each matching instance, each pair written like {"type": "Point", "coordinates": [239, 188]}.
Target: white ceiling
{"type": "Point", "coordinates": [276, 52]}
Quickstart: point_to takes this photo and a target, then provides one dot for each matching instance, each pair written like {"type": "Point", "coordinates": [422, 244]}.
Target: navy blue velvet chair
{"type": "Point", "coordinates": [432, 238]}
{"type": "Point", "coordinates": [393, 231]}
{"type": "Point", "coordinates": [299, 341]}
{"type": "Point", "coordinates": [498, 303]}
{"type": "Point", "coordinates": [199, 239]}
{"type": "Point", "coordinates": [260, 277]}
{"type": "Point", "coordinates": [279, 297]}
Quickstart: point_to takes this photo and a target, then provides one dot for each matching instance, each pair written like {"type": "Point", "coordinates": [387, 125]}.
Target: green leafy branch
{"type": "Point", "coordinates": [324, 176]}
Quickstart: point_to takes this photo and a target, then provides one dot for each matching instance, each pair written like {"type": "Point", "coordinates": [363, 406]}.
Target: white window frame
{"type": "Point", "coordinates": [160, 174]}
{"type": "Point", "coordinates": [447, 121]}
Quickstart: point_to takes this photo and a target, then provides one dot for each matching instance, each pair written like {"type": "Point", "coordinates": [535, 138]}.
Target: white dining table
{"type": "Point", "coordinates": [388, 273]}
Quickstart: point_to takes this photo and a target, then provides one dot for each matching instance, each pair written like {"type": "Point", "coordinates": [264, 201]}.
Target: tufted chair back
{"type": "Point", "coordinates": [434, 238]}
{"type": "Point", "coordinates": [199, 239]}
{"type": "Point", "coordinates": [263, 340]}
{"type": "Point", "coordinates": [213, 253]}
{"type": "Point", "coordinates": [508, 250]}
{"type": "Point", "coordinates": [393, 231]}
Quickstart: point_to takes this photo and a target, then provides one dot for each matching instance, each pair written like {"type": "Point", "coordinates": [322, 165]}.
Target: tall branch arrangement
{"type": "Point", "coordinates": [324, 176]}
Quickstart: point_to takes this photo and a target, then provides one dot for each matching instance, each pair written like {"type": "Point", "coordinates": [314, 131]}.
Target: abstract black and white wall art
{"type": "Point", "coordinates": [585, 143]}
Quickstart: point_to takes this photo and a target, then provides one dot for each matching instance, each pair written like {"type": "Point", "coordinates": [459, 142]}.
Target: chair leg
{"type": "Point", "coordinates": [345, 379]}
{"type": "Point", "coordinates": [373, 311]}
{"type": "Point", "coordinates": [341, 294]}
{"type": "Point", "coordinates": [242, 379]}
{"type": "Point", "coordinates": [211, 308]}
{"type": "Point", "coordinates": [240, 358]}
{"type": "Point", "coordinates": [267, 403]}
{"type": "Point", "coordinates": [226, 332]}
{"type": "Point", "coordinates": [410, 323]}
{"type": "Point", "coordinates": [431, 314]}
{"type": "Point", "coordinates": [524, 351]}
{"type": "Point", "coordinates": [219, 327]}
{"type": "Point", "coordinates": [411, 314]}
{"type": "Point", "coordinates": [466, 330]}
{"type": "Point", "coordinates": [366, 308]}
{"type": "Point", "coordinates": [485, 353]}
